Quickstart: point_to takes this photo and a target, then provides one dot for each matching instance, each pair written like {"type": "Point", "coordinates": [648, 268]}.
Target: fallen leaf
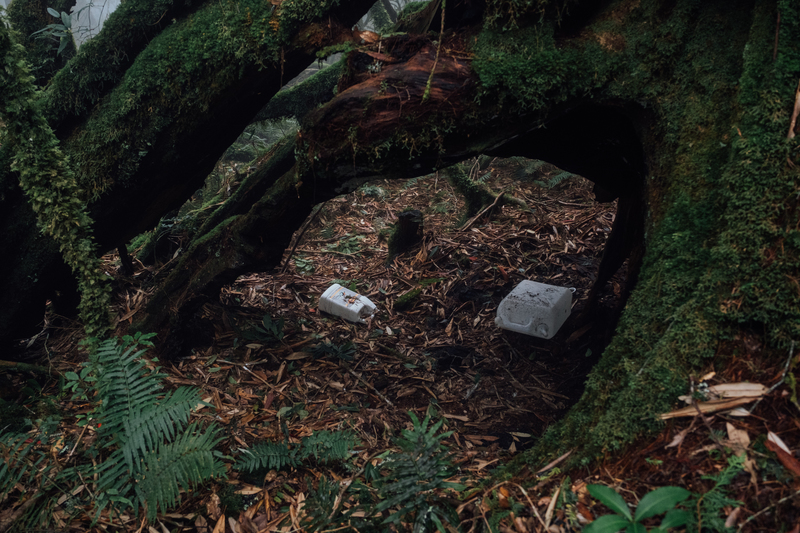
{"type": "Point", "coordinates": [731, 390]}
{"type": "Point", "coordinates": [520, 525]}
{"type": "Point", "coordinates": [213, 507]}
{"type": "Point", "coordinates": [480, 464]}
{"type": "Point", "coordinates": [738, 438]}
{"type": "Point", "coordinates": [708, 407]}
{"type": "Point", "coordinates": [786, 459]}
{"type": "Point", "coordinates": [220, 526]}
{"type": "Point", "coordinates": [731, 520]}
{"type": "Point", "coordinates": [734, 390]}
{"type": "Point", "coordinates": [584, 514]}
{"type": "Point", "coordinates": [777, 440]}
{"type": "Point", "coordinates": [548, 515]}
{"type": "Point", "coordinates": [554, 463]}
{"type": "Point", "coordinates": [750, 467]}
{"type": "Point", "coordinates": [543, 501]}
{"type": "Point", "coordinates": [479, 438]}
{"type": "Point", "coordinates": [678, 439]}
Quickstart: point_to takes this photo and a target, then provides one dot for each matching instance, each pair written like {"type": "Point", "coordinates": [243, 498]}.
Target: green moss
{"type": "Point", "coordinates": [305, 96]}
{"type": "Point", "coordinates": [102, 60]}
{"type": "Point", "coordinates": [230, 502]}
{"type": "Point", "coordinates": [49, 183]}
{"type": "Point", "coordinates": [528, 71]}
{"type": "Point", "coordinates": [723, 247]}
{"type": "Point", "coordinates": [411, 8]}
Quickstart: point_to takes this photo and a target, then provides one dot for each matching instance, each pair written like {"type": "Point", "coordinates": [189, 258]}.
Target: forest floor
{"type": "Point", "coordinates": [271, 366]}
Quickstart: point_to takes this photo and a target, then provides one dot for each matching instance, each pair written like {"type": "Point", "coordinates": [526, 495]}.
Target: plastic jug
{"type": "Point", "coordinates": [347, 304]}
{"type": "Point", "coordinates": [535, 309]}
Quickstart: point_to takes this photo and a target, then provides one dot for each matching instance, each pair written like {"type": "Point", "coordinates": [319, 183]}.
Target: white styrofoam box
{"type": "Point", "coordinates": [347, 304]}
{"type": "Point", "coordinates": [535, 309]}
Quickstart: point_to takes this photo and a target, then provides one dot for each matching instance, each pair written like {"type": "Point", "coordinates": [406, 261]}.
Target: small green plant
{"type": "Point", "coordinates": [304, 266]}
{"type": "Point", "coordinates": [350, 245]}
{"type": "Point", "coordinates": [373, 191]}
{"type": "Point", "coordinates": [709, 505]}
{"type": "Point", "coordinates": [328, 232]}
{"type": "Point", "coordinates": [407, 491]}
{"type": "Point", "coordinates": [412, 182]}
{"type": "Point", "coordinates": [351, 284]}
{"type": "Point", "coordinates": [406, 300]}
{"type": "Point", "coordinates": [653, 503]}
{"type": "Point", "coordinates": [328, 350]}
{"type": "Point", "coordinates": [270, 330]}
{"type": "Point", "coordinates": [58, 32]}
{"type": "Point", "coordinates": [146, 452]}
{"type": "Point", "coordinates": [324, 447]}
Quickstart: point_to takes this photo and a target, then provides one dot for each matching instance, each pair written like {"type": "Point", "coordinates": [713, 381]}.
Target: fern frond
{"type": "Point", "coordinates": [19, 460]}
{"type": "Point", "coordinates": [114, 475]}
{"type": "Point", "coordinates": [328, 446]}
{"type": "Point", "coordinates": [319, 506]}
{"type": "Point", "coordinates": [145, 430]}
{"type": "Point", "coordinates": [268, 455]}
{"type": "Point", "coordinates": [555, 180]}
{"type": "Point", "coordinates": [183, 463]}
{"type": "Point", "coordinates": [154, 454]}
{"type": "Point", "coordinates": [416, 473]}
{"type": "Point", "coordinates": [124, 385]}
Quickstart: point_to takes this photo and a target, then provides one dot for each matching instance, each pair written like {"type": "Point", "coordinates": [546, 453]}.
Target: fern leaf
{"type": "Point", "coordinates": [417, 472]}
{"type": "Point", "coordinates": [114, 475]}
{"type": "Point", "coordinates": [320, 505]}
{"type": "Point", "coordinates": [124, 385]}
{"type": "Point", "coordinates": [269, 455]}
{"type": "Point", "coordinates": [328, 446]}
{"type": "Point", "coordinates": [145, 430]}
{"type": "Point", "coordinates": [19, 460]}
{"type": "Point", "coordinates": [183, 463]}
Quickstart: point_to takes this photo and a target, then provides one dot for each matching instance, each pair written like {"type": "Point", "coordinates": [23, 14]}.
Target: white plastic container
{"type": "Point", "coordinates": [535, 309]}
{"type": "Point", "coordinates": [347, 304]}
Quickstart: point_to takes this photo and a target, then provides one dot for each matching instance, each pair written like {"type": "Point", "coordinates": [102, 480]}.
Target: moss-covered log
{"type": "Point", "coordinates": [144, 128]}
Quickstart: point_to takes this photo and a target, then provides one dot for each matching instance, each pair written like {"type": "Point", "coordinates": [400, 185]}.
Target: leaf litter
{"type": "Point", "coordinates": [278, 366]}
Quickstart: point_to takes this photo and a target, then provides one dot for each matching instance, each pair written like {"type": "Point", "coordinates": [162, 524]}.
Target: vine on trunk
{"type": "Point", "coordinates": [49, 183]}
